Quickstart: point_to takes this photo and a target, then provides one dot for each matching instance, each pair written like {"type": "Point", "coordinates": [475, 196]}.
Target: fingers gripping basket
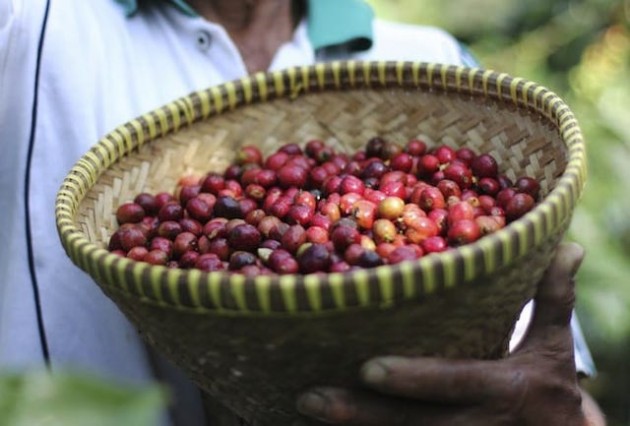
{"type": "Point", "coordinates": [253, 343]}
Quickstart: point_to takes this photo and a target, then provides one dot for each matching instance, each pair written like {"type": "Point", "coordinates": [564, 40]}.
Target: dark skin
{"type": "Point", "coordinates": [536, 385]}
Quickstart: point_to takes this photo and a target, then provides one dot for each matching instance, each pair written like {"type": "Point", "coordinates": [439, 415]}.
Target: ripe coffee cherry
{"type": "Point", "coordinates": [137, 253]}
{"type": "Point", "coordinates": [401, 254]}
{"type": "Point", "coordinates": [156, 257]}
{"type": "Point", "coordinates": [518, 205]}
{"type": "Point", "coordinates": [293, 238]}
{"type": "Point", "coordinates": [282, 262]}
{"type": "Point", "coordinates": [240, 259]}
{"type": "Point", "coordinates": [129, 213]}
{"type": "Point", "coordinates": [527, 185]}
{"type": "Point", "coordinates": [209, 262]}
{"type": "Point", "coordinates": [463, 232]}
{"type": "Point", "coordinates": [485, 165]}
{"type": "Point", "coordinates": [244, 237]}
{"type": "Point", "coordinates": [171, 211]}
{"type": "Point", "coordinates": [213, 183]}
{"type": "Point", "coordinates": [186, 241]}
{"type": "Point", "coordinates": [434, 244]}
{"type": "Point", "coordinates": [227, 207]}
{"type": "Point", "coordinates": [148, 202]}
{"type": "Point", "coordinates": [315, 258]}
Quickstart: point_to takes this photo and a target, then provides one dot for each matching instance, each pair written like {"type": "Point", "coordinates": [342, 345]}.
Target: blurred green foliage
{"type": "Point", "coordinates": [71, 399]}
{"type": "Point", "coordinates": [580, 49]}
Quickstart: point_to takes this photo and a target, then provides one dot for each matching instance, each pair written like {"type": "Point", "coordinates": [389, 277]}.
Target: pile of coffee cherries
{"type": "Point", "coordinates": [317, 210]}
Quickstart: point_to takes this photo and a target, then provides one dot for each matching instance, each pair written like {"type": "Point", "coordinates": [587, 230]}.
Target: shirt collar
{"type": "Point", "coordinates": [331, 23]}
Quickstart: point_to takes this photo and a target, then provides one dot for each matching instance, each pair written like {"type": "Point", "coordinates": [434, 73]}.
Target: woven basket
{"type": "Point", "coordinates": [254, 343]}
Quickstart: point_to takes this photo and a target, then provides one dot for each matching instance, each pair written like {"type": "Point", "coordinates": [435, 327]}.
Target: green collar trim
{"type": "Point", "coordinates": [331, 22]}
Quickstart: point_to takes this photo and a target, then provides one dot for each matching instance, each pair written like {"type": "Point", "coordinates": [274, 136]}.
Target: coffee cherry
{"type": "Point", "coordinates": [244, 237]}
{"type": "Point", "coordinates": [518, 205]}
{"type": "Point", "coordinates": [484, 165]}
{"type": "Point", "coordinates": [463, 232]}
{"type": "Point", "coordinates": [282, 262]}
{"type": "Point", "coordinates": [129, 213]}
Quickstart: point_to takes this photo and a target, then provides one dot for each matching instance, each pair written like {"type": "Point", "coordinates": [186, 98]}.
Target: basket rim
{"type": "Point", "coordinates": [231, 293]}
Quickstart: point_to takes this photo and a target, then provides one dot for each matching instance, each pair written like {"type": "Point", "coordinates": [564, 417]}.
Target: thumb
{"type": "Point", "coordinates": [555, 299]}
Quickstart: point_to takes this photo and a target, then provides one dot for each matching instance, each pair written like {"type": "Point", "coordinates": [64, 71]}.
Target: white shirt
{"type": "Point", "coordinates": [70, 71]}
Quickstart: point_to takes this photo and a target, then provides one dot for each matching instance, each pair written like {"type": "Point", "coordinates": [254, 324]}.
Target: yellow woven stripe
{"type": "Point", "coordinates": [381, 66]}
{"type": "Point", "coordinates": [336, 71]}
{"type": "Point", "coordinates": [400, 68]}
{"type": "Point", "coordinates": [120, 277]}
{"type": "Point", "coordinates": [444, 75]}
{"type": "Point", "coordinates": [487, 247]}
{"type": "Point", "coordinates": [386, 284]}
{"type": "Point", "coordinates": [313, 292]}
{"type": "Point", "coordinates": [484, 78]}
{"type": "Point", "coordinates": [230, 89]}
{"type": "Point", "coordinates": [205, 103]}
{"type": "Point", "coordinates": [287, 288]}
{"type": "Point", "coordinates": [137, 126]}
{"type": "Point", "coordinates": [217, 98]}
{"type": "Point", "coordinates": [468, 255]}
{"type": "Point", "coordinates": [214, 290]}
{"type": "Point", "coordinates": [458, 78]}
{"type": "Point", "coordinates": [87, 169]}
{"type": "Point", "coordinates": [161, 114]}
{"type": "Point", "coordinates": [136, 272]}
{"type": "Point", "coordinates": [107, 267]}
{"type": "Point", "coordinates": [172, 281]}
{"type": "Point", "coordinates": [428, 277]}
{"type": "Point", "coordinates": [306, 79]}
{"type": "Point", "coordinates": [526, 88]}
{"type": "Point", "coordinates": [336, 287]}
{"type": "Point", "coordinates": [430, 68]}
{"type": "Point", "coordinates": [552, 104]}
{"type": "Point", "coordinates": [545, 105]}
{"type": "Point", "coordinates": [126, 138]}
{"type": "Point", "coordinates": [362, 285]}
{"type": "Point", "coordinates": [415, 72]}
{"type": "Point", "coordinates": [507, 247]}
{"type": "Point", "coordinates": [471, 79]}
{"type": "Point", "coordinates": [367, 69]}
{"type": "Point", "coordinates": [104, 152]}
{"type": "Point", "coordinates": [523, 240]}
{"type": "Point", "coordinates": [406, 274]}
{"type": "Point", "coordinates": [177, 120]}
{"type": "Point", "coordinates": [237, 287]}
{"type": "Point", "coordinates": [263, 285]}
{"type": "Point", "coordinates": [119, 143]}
{"type": "Point", "coordinates": [294, 85]}
{"type": "Point", "coordinates": [248, 94]}
{"type": "Point", "coordinates": [514, 89]}
{"type": "Point", "coordinates": [499, 84]}
{"type": "Point", "coordinates": [262, 86]}
{"type": "Point", "coordinates": [189, 109]}
{"type": "Point", "coordinates": [95, 163]}
{"type": "Point", "coordinates": [538, 229]}
{"type": "Point", "coordinates": [320, 75]}
{"type": "Point", "coordinates": [148, 118]}
{"type": "Point", "coordinates": [352, 70]}
{"type": "Point", "coordinates": [536, 94]}
{"type": "Point", "coordinates": [155, 276]}
{"type": "Point", "coordinates": [448, 260]}
{"type": "Point", "coordinates": [193, 281]}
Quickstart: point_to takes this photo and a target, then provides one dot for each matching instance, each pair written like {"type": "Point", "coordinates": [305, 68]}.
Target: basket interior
{"type": "Point", "coordinates": [523, 141]}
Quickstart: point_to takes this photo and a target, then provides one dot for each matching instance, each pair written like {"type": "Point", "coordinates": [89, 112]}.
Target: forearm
{"type": "Point", "coordinates": [592, 412]}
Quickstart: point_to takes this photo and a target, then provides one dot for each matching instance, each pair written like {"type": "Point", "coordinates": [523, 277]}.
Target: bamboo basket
{"type": "Point", "coordinates": [254, 343]}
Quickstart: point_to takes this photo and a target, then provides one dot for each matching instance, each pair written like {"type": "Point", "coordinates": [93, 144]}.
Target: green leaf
{"type": "Point", "coordinates": [68, 399]}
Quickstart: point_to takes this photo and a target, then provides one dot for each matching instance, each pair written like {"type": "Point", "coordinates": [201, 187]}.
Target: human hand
{"type": "Point", "coordinates": [535, 385]}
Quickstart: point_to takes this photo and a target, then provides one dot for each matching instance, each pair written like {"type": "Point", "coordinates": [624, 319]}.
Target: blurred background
{"type": "Point", "coordinates": [580, 49]}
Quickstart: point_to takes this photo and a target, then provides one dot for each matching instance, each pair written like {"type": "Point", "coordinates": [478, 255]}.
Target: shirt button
{"type": "Point", "coordinates": [203, 40]}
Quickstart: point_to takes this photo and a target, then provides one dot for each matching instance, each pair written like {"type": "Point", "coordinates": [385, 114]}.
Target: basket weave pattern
{"type": "Point", "coordinates": [246, 340]}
